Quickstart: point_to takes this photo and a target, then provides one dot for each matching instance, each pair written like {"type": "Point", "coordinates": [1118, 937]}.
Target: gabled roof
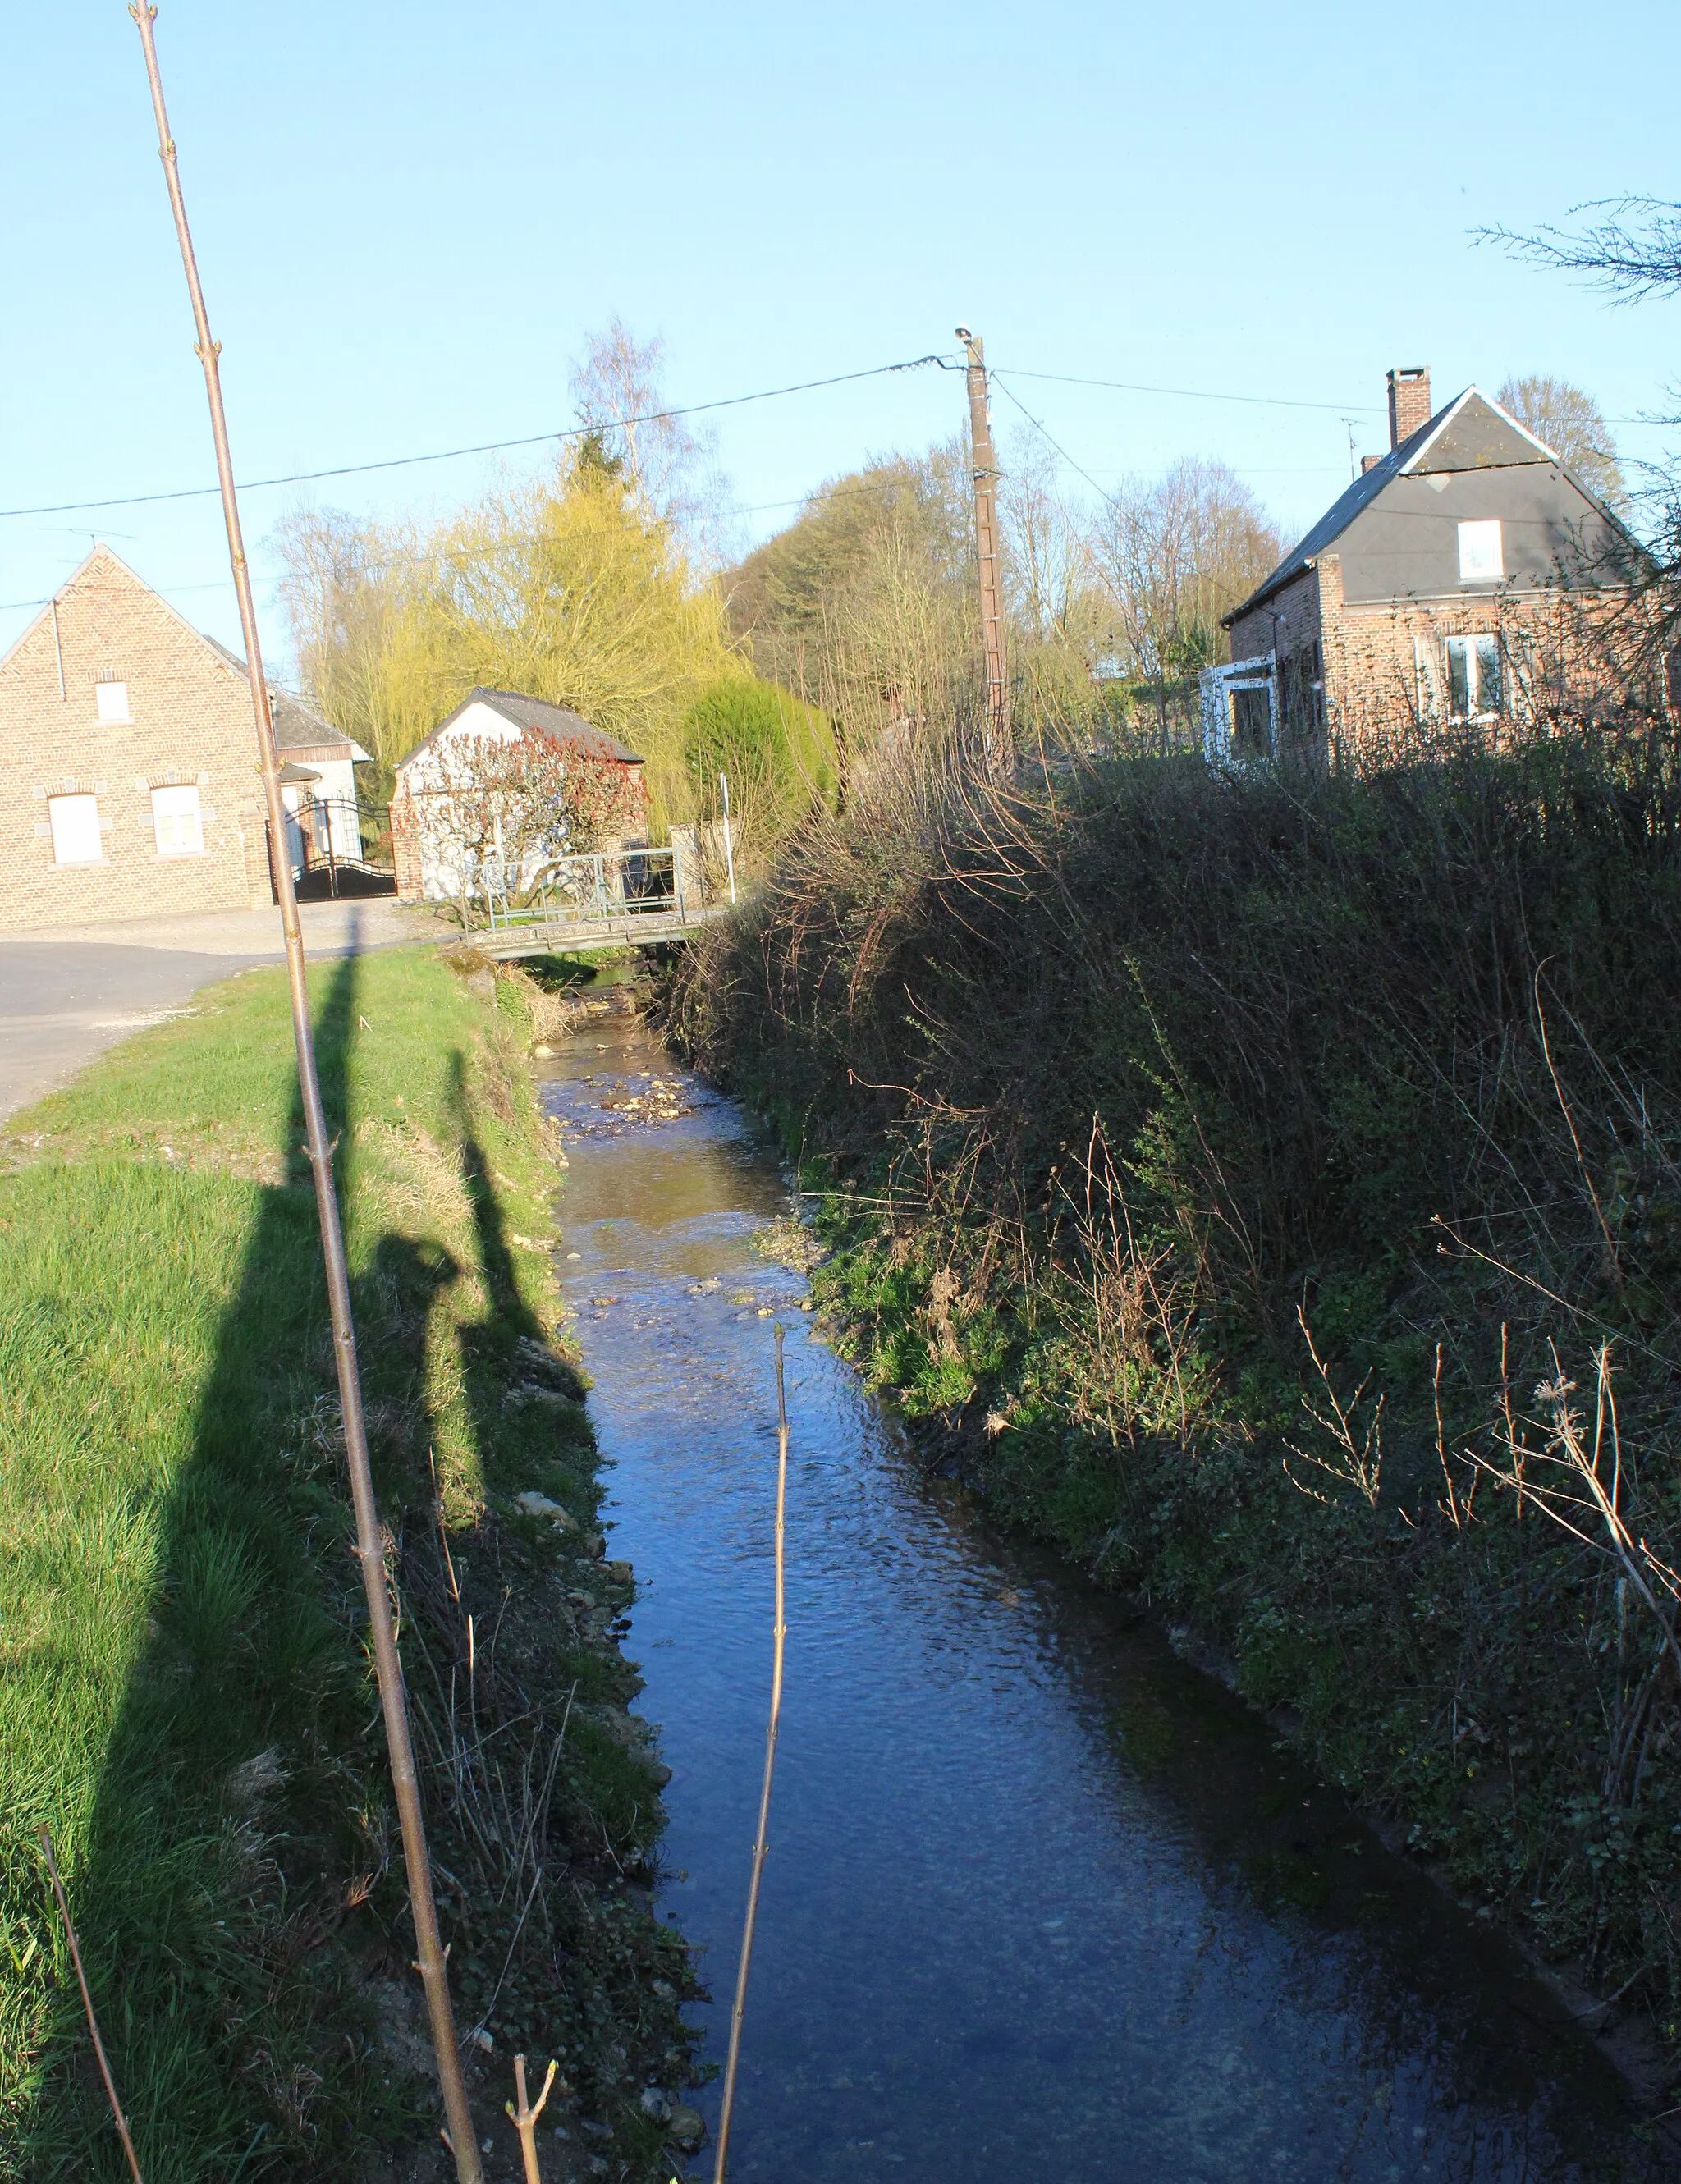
{"type": "Point", "coordinates": [536, 715]}
{"type": "Point", "coordinates": [297, 726]}
{"type": "Point", "coordinates": [100, 551]}
{"type": "Point", "coordinates": [1473, 432]}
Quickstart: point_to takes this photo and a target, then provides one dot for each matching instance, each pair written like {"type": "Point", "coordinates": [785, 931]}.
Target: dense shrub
{"type": "Point", "coordinates": [780, 756]}
{"type": "Point", "coordinates": [1233, 1173]}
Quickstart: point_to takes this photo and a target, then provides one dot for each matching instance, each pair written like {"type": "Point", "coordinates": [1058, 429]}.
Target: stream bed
{"type": "Point", "coordinates": [1043, 1902]}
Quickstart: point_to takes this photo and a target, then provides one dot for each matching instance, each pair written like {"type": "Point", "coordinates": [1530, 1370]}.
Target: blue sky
{"type": "Point", "coordinates": [408, 218]}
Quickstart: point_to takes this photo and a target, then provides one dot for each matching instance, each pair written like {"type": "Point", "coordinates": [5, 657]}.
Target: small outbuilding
{"type": "Point", "coordinates": [503, 787]}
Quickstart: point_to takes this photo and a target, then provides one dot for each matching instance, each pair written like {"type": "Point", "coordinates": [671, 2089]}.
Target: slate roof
{"type": "Point", "coordinates": [557, 723]}
{"type": "Point", "coordinates": [1472, 432]}
{"type": "Point", "coordinates": [297, 726]}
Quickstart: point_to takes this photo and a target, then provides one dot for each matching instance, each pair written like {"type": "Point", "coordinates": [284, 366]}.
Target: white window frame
{"type": "Point", "coordinates": [1426, 663]}
{"type": "Point", "coordinates": [1482, 552]}
{"type": "Point", "coordinates": [178, 820]}
{"type": "Point", "coordinates": [74, 820]}
{"type": "Point", "coordinates": [1475, 709]}
{"type": "Point", "coordinates": [1217, 685]}
{"type": "Point", "coordinates": [110, 701]}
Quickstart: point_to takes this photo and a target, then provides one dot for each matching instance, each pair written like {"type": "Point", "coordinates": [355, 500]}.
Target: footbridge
{"type": "Point", "coordinates": [612, 898]}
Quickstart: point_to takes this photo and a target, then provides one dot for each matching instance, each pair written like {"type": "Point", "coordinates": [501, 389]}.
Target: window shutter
{"type": "Point", "coordinates": [1426, 678]}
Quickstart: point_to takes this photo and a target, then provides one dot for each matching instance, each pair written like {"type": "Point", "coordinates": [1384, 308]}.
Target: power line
{"type": "Point", "coordinates": [699, 408]}
{"type": "Point", "coordinates": [440, 554]}
{"type": "Point", "coordinates": [1262, 401]}
{"type": "Point", "coordinates": [484, 448]}
{"type": "Point", "coordinates": [1201, 393]}
{"type": "Point", "coordinates": [1039, 427]}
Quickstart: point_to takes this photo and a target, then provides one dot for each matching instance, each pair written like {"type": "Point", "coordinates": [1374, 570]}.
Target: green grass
{"type": "Point", "coordinates": [185, 1697]}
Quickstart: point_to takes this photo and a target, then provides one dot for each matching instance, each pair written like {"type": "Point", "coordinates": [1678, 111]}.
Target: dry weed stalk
{"type": "Point", "coordinates": [1358, 1459]}
{"type": "Point", "coordinates": [500, 1800]}
{"type": "Point", "coordinates": [760, 1839]}
{"type": "Point", "coordinates": [88, 2004]}
{"type": "Point", "coordinates": [1595, 1486]}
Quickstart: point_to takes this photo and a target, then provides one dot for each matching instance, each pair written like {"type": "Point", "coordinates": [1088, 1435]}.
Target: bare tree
{"type": "Point", "coordinates": [1634, 248]}
{"type": "Point", "coordinates": [1175, 554]}
{"type": "Point", "coordinates": [1057, 610]}
{"type": "Point", "coordinates": [1572, 424]}
{"type": "Point", "coordinates": [619, 393]}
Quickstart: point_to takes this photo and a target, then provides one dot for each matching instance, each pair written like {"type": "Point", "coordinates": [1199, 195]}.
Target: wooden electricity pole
{"type": "Point", "coordinates": [370, 1533]}
{"type": "Point", "coordinates": [1001, 751]}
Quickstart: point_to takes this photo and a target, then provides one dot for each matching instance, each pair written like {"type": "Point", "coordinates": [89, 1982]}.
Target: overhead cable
{"type": "Point", "coordinates": [482, 448]}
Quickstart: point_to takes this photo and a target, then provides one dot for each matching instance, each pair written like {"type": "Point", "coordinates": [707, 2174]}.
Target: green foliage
{"type": "Point", "coordinates": [779, 755]}
{"type": "Point", "coordinates": [186, 1700]}
{"type": "Point", "coordinates": [571, 588]}
{"type": "Point", "coordinates": [1106, 1078]}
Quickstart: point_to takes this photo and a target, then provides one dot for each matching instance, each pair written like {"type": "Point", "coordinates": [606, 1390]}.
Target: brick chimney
{"type": "Point", "coordinates": [1409, 401]}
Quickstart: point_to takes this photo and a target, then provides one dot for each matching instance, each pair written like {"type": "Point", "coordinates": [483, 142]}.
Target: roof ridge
{"type": "Point", "coordinates": [1406, 459]}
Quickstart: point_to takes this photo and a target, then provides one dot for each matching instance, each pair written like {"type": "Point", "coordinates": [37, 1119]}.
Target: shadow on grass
{"type": "Point", "coordinates": [241, 1795]}
{"type": "Point", "coordinates": [239, 1886]}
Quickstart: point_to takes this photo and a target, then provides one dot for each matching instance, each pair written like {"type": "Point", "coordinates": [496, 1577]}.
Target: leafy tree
{"type": "Point", "coordinates": [570, 589]}
{"type": "Point", "coordinates": [864, 605]}
{"type": "Point", "coordinates": [778, 753]}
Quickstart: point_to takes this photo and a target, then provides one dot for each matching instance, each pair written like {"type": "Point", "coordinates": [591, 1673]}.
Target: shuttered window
{"type": "Point", "coordinates": [178, 821]}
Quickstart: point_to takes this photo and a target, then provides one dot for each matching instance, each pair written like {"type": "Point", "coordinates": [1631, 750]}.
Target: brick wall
{"type": "Point", "coordinates": [189, 724]}
{"type": "Point", "coordinates": [1570, 654]}
{"type": "Point", "coordinates": [405, 844]}
{"type": "Point", "coordinates": [1383, 667]}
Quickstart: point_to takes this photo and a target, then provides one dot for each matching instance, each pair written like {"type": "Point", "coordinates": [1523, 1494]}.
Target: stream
{"type": "Point", "coordinates": [1043, 1902]}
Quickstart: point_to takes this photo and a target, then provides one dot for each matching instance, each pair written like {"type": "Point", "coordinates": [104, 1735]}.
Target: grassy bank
{"type": "Point", "coordinates": [1231, 1176]}
{"type": "Point", "coordinates": [186, 1698]}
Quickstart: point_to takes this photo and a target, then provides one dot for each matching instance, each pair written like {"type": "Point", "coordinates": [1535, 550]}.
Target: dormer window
{"type": "Point", "coordinates": [112, 700]}
{"type": "Point", "coordinates": [1481, 558]}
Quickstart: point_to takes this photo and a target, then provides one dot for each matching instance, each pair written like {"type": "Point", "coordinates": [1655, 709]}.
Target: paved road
{"type": "Point", "coordinates": [61, 1004]}
{"type": "Point", "coordinates": [64, 997]}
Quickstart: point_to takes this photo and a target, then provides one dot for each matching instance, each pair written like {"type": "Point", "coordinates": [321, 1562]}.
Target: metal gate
{"type": "Point", "coordinates": [336, 848]}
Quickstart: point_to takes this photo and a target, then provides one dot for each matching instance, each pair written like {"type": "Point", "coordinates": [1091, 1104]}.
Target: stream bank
{"type": "Point", "coordinates": [1257, 1185]}
{"type": "Point", "coordinates": [188, 1700]}
{"type": "Point", "coordinates": [1042, 1901]}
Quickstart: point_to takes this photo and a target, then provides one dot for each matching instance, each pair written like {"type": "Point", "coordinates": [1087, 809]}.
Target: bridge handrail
{"type": "Point", "coordinates": [595, 886]}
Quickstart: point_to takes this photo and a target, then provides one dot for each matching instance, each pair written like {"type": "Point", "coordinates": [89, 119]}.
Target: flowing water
{"type": "Point", "coordinates": [1043, 1902]}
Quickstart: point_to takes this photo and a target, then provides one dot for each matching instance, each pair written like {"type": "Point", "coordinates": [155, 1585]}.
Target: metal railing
{"type": "Point", "coordinates": [605, 887]}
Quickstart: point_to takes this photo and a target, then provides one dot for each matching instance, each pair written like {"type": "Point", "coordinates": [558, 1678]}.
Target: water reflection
{"type": "Point", "coordinates": [1041, 1903]}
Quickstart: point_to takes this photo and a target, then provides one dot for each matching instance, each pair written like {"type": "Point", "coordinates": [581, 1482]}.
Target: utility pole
{"type": "Point", "coordinates": [370, 1533]}
{"type": "Point", "coordinates": [1001, 751]}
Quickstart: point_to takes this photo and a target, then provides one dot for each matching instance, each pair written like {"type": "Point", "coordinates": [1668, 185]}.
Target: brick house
{"type": "Point", "coordinates": [1467, 575]}
{"type": "Point", "coordinates": [129, 784]}
{"type": "Point", "coordinates": [437, 801]}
